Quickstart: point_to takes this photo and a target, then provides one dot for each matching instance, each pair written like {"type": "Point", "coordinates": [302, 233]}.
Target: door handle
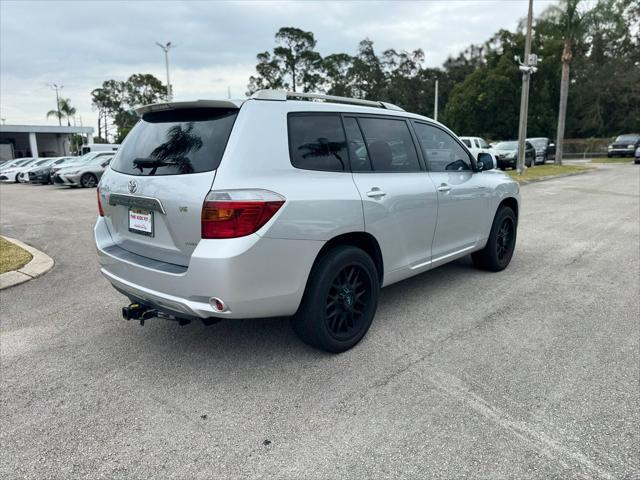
{"type": "Point", "coordinates": [375, 192]}
{"type": "Point", "coordinates": [444, 188]}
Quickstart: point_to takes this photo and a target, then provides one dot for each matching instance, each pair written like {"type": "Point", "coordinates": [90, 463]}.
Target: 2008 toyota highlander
{"type": "Point", "coordinates": [293, 204]}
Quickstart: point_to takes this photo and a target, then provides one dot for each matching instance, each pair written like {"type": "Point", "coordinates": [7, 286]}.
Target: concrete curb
{"type": "Point", "coordinates": [551, 177]}
{"type": "Point", "coordinates": [40, 264]}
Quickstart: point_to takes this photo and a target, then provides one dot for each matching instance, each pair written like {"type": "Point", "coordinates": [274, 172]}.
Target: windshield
{"type": "Point", "coordinates": [99, 160]}
{"type": "Point", "coordinates": [176, 142]}
{"type": "Point", "coordinates": [507, 146]}
{"type": "Point", "coordinates": [483, 143]}
{"type": "Point", "coordinates": [627, 138]}
{"type": "Point", "coordinates": [538, 142]}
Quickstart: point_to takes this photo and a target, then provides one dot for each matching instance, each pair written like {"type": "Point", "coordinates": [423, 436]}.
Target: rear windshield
{"type": "Point", "coordinates": [176, 142]}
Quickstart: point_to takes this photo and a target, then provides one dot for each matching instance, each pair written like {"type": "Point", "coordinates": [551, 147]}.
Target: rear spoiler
{"type": "Point", "coordinates": [156, 107]}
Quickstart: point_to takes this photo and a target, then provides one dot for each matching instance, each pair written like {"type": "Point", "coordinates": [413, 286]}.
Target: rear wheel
{"type": "Point", "coordinates": [88, 180]}
{"type": "Point", "coordinates": [496, 255]}
{"type": "Point", "coordinates": [340, 300]}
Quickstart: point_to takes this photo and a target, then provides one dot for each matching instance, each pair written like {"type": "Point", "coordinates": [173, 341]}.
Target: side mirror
{"type": "Point", "coordinates": [485, 162]}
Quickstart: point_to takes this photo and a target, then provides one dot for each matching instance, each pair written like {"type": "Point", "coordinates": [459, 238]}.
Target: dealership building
{"type": "Point", "coordinates": [17, 141]}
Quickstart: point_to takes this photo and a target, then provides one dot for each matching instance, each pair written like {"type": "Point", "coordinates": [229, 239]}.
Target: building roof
{"type": "Point", "coordinates": [43, 129]}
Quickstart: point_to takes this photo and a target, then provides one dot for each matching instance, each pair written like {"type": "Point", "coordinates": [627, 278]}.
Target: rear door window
{"type": "Point", "coordinates": [176, 142]}
{"type": "Point", "coordinates": [317, 142]}
{"type": "Point", "coordinates": [390, 145]}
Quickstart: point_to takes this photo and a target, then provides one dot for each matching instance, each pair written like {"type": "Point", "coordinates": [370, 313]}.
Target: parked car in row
{"type": "Point", "coordinates": [624, 145]}
{"type": "Point", "coordinates": [545, 149]}
{"type": "Point", "coordinates": [81, 160]}
{"type": "Point", "coordinates": [636, 158]}
{"type": "Point", "coordinates": [507, 154]}
{"type": "Point", "coordinates": [42, 174]}
{"type": "Point", "coordinates": [281, 206]}
{"type": "Point", "coordinates": [11, 173]}
{"type": "Point", "coordinates": [86, 174]}
{"type": "Point", "coordinates": [23, 176]}
{"type": "Point", "coordinates": [477, 145]}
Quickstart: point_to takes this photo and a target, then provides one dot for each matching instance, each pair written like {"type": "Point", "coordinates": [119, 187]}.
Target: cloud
{"type": "Point", "coordinates": [81, 44]}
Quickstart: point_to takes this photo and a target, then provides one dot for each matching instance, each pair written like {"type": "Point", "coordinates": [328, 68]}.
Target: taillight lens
{"type": "Point", "coordinates": [100, 210]}
{"type": "Point", "coordinates": [236, 213]}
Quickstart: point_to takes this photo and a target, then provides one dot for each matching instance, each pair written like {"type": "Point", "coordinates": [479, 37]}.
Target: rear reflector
{"type": "Point", "coordinates": [237, 213]}
{"type": "Point", "coordinates": [100, 211]}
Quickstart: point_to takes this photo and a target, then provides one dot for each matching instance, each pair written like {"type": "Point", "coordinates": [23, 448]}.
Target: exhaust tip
{"type": "Point", "coordinates": [217, 304]}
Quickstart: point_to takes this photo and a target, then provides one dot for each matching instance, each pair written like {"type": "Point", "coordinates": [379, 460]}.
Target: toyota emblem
{"type": "Point", "coordinates": [133, 186]}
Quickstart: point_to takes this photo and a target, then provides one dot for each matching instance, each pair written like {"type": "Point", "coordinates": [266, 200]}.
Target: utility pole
{"type": "Point", "coordinates": [435, 103]}
{"type": "Point", "coordinates": [527, 68]}
{"type": "Point", "coordinates": [165, 48]}
{"type": "Point", "coordinates": [56, 88]}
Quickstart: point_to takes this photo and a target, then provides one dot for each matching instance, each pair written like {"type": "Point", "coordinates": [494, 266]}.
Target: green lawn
{"type": "Point", "coordinates": [12, 257]}
{"type": "Point", "coordinates": [612, 160]}
{"type": "Point", "coordinates": [547, 171]}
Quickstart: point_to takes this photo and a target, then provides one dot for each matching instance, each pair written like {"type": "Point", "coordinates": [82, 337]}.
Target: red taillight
{"type": "Point", "coordinates": [236, 213]}
{"type": "Point", "coordinates": [100, 210]}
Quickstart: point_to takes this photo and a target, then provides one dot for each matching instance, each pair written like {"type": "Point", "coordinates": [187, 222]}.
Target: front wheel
{"type": "Point", "coordinates": [496, 255]}
{"type": "Point", "coordinates": [340, 300]}
{"type": "Point", "coordinates": [88, 180]}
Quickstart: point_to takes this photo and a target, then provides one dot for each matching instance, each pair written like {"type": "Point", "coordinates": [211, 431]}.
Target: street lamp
{"type": "Point", "coordinates": [165, 48]}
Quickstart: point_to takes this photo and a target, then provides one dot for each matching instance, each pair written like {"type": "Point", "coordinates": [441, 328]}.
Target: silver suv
{"type": "Point", "coordinates": [292, 204]}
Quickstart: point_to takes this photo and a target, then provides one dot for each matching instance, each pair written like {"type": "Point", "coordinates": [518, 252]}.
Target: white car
{"type": "Point", "coordinates": [478, 145]}
{"type": "Point", "coordinates": [11, 173]}
{"type": "Point", "coordinates": [293, 204]}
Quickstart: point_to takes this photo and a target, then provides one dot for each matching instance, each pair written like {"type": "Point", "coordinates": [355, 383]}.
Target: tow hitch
{"type": "Point", "coordinates": [140, 312]}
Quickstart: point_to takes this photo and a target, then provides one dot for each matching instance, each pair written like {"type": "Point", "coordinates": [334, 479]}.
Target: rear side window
{"type": "Point", "coordinates": [466, 141]}
{"type": "Point", "coordinates": [317, 142]}
{"type": "Point", "coordinates": [176, 142]}
{"type": "Point", "coordinates": [389, 145]}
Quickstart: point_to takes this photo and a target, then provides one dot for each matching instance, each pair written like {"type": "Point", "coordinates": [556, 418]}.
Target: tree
{"type": "Point", "coordinates": [294, 64]}
{"type": "Point", "coordinates": [115, 102]}
{"type": "Point", "coordinates": [571, 24]}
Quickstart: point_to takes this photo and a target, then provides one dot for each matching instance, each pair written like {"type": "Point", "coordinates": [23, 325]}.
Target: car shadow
{"type": "Point", "coordinates": [274, 337]}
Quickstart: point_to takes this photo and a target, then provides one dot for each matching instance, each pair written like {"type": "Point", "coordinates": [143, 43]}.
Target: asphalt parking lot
{"type": "Point", "coordinates": [528, 373]}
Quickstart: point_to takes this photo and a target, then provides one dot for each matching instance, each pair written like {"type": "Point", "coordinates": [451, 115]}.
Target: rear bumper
{"type": "Point", "coordinates": [254, 276]}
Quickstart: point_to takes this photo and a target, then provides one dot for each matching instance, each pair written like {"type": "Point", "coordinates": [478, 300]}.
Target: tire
{"type": "Point", "coordinates": [88, 180]}
{"type": "Point", "coordinates": [497, 253]}
{"type": "Point", "coordinates": [340, 300]}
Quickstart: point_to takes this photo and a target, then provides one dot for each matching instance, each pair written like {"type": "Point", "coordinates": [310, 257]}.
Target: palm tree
{"type": "Point", "coordinates": [572, 24]}
{"type": "Point", "coordinates": [64, 110]}
{"type": "Point", "coordinates": [67, 110]}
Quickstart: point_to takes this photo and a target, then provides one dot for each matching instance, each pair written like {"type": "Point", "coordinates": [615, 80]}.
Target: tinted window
{"type": "Point", "coordinates": [317, 142]}
{"type": "Point", "coordinates": [357, 148]}
{"type": "Point", "coordinates": [441, 150]}
{"type": "Point", "coordinates": [466, 141]}
{"type": "Point", "coordinates": [389, 145]}
{"type": "Point", "coordinates": [175, 142]}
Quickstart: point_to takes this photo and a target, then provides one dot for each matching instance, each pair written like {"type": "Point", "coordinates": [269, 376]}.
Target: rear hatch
{"type": "Point", "coordinates": [153, 195]}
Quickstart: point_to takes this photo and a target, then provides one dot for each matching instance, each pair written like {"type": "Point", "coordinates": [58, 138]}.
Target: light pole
{"type": "Point", "coordinates": [165, 48]}
{"type": "Point", "coordinates": [56, 88]}
{"type": "Point", "coordinates": [527, 68]}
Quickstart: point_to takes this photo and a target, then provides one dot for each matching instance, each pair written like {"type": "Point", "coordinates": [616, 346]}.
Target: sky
{"type": "Point", "coordinates": [80, 44]}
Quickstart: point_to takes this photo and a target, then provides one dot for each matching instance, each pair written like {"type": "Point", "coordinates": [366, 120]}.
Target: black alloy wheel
{"type": "Point", "coordinates": [340, 300]}
{"type": "Point", "coordinates": [347, 301]}
{"type": "Point", "coordinates": [505, 239]}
